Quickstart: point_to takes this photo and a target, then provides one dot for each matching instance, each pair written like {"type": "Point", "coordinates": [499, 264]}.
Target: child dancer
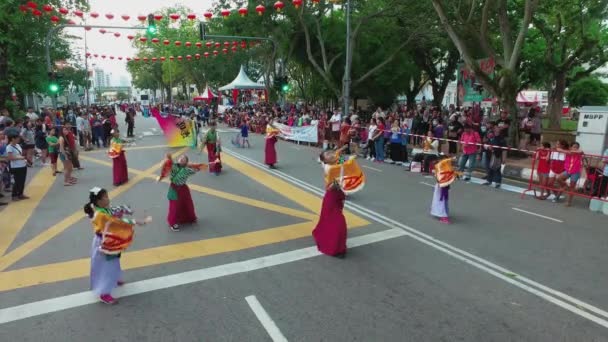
{"type": "Point", "coordinates": [120, 173]}
{"type": "Point", "coordinates": [445, 176]}
{"type": "Point", "coordinates": [270, 152]}
{"type": "Point", "coordinates": [211, 141]}
{"type": "Point", "coordinates": [245, 134]}
{"type": "Point", "coordinates": [181, 207]}
{"type": "Point", "coordinates": [113, 234]}
{"type": "Point", "coordinates": [331, 232]}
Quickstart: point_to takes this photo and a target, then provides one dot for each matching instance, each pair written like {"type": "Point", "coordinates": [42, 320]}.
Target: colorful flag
{"type": "Point", "coordinates": [178, 131]}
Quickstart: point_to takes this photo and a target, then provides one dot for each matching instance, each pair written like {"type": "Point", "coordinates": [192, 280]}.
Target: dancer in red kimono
{"type": "Point", "coordinates": [330, 233]}
{"type": "Point", "coordinates": [120, 173]}
{"type": "Point", "coordinates": [211, 141]}
{"type": "Point", "coordinates": [181, 207]}
{"type": "Point", "coordinates": [270, 152]}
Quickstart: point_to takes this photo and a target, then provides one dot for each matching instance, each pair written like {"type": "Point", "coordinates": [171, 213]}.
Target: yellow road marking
{"type": "Point", "coordinates": [228, 196]}
{"type": "Point", "coordinates": [80, 268]}
{"type": "Point", "coordinates": [42, 238]}
{"type": "Point", "coordinates": [285, 189]}
{"type": "Point", "coordinates": [127, 148]}
{"type": "Point", "coordinates": [16, 214]}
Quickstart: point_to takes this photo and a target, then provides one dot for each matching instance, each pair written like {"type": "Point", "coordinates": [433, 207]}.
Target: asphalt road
{"type": "Point", "coordinates": [507, 269]}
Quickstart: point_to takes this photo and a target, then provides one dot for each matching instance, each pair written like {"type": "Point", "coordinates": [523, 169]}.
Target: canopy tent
{"type": "Point", "coordinates": [206, 95]}
{"type": "Point", "coordinates": [242, 82]}
{"type": "Point", "coordinates": [527, 98]}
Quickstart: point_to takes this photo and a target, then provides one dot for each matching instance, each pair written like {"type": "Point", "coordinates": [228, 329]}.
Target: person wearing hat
{"type": "Point", "coordinates": [445, 176]}
{"type": "Point", "coordinates": [120, 173]}
{"type": "Point", "coordinates": [270, 152]}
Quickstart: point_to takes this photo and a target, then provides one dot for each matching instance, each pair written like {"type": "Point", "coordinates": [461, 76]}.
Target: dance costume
{"type": "Point", "coordinates": [445, 175]}
{"type": "Point", "coordinates": [270, 152]}
{"type": "Point", "coordinates": [212, 142]}
{"type": "Point", "coordinates": [347, 173]}
{"type": "Point", "coordinates": [120, 173]}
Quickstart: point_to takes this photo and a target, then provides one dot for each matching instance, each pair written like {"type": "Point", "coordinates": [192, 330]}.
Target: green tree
{"type": "Point", "coordinates": [589, 91]}
{"type": "Point", "coordinates": [22, 38]}
{"type": "Point", "coordinates": [122, 96]}
{"type": "Point", "coordinates": [573, 35]}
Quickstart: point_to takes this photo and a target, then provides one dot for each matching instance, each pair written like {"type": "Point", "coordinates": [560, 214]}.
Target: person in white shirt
{"type": "Point", "coordinates": [18, 164]}
{"type": "Point", "coordinates": [371, 131]}
{"type": "Point", "coordinates": [335, 121]}
{"type": "Point", "coordinates": [31, 114]}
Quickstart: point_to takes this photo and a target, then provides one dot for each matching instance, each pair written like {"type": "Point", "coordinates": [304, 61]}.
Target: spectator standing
{"type": "Point", "coordinates": [494, 164]}
{"type": "Point", "coordinates": [469, 143]}
{"type": "Point", "coordinates": [18, 166]}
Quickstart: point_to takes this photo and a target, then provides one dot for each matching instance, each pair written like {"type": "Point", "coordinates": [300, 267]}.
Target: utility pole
{"type": "Point", "coordinates": [346, 80]}
{"type": "Point", "coordinates": [86, 66]}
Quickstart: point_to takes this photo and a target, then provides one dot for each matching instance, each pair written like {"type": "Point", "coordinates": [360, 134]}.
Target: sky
{"type": "Point", "coordinates": [108, 44]}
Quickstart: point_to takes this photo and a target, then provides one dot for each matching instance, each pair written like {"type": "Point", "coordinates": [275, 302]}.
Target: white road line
{"type": "Point", "coordinates": [265, 319]}
{"type": "Point", "coordinates": [296, 148]}
{"type": "Point", "coordinates": [556, 297]}
{"type": "Point", "coordinates": [427, 184]}
{"type": "Point", "coordinates": [371, 168]}
{"type": "Point", "coordinates": [538, 215]}
{"type": "Point", "coordinates": [47, 306]}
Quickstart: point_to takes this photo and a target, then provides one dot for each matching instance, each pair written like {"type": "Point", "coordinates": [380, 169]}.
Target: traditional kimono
{"type": "Point", "coordinates": [445, 176]}
{"type": "Point", "coordinates": [213, 151]}
{"type": "Point", "coordinates": [181, 207]}
{"type": "Point", "coordinates": [330, 233]}
{"type": "Point", "coordinates": [270, 152]}
{"type": "Point", "coordinates": [120, 174]}
{"type": "Point", "coordinates": [113, 234]}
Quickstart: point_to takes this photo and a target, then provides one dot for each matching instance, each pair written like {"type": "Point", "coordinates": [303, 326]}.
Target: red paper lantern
{"type": "Point", "coordinates": [116, 34]}
{"type": "Point", "coordinates": [154, 59]}
{"type": "Point", "coordinates": [225, 13]}
{"type": "Point", "coordinates": [31, 5]}
{"type": "Point", "coordinates": [36, 13]}
{"type": "Point", "coordinates": [94, 14]}
{"type": "Point", "coordinates": [174, 16]}
{"type": "Point", "coordinates": [95, 55]}
{"type": "Point", "coordinates": [23, 9]}
{"type": "Point", "coordinates": [110, 16]}
{"type": "Point", "coordinates": [179, 58]}
{"type": "Point", "coordinates": [260, 9]}
{"type": "Point", "coordinates": [130, 37]}
{"type": "Point", "coordinates": [215, 52]}
{"type": "Point", "coordinates": [191, 16]}
{"type": "Point", "coordinates": [155, 40]}
{"type": "Point", "coordinates": [162, 59]}
{"type": "Point", "coordinates": [224, 50]}
{"type": "Point", "coordinates": [102, 31]}
{"type": "Point", "coordinates": [208, 44]}
{"type": "Point", "coordinates": [278, 6]}
{"type": "Point", "coordinates": [166, 42]}
{"type": "Point", "coordinates": [243, 11]}
{"type": "Point", "coordinates": [88, 28]}
{"type": "Point", "coordinates": [208, 15]}
{"type": "Point", "coordinates": [120, 58]}
{"type": "Point", "coordinates": [143, 39]}
{"type": "Point", "coordinates": [235, 43]}
{"type": "Point", "coordinates": [243, 45]}
{"type": "Point", "coordinates": [218, 44]}
{"type": "Point", "coordinates": [315, 2]}
{"type": "Point", "coordinates": [145, 59]}
{"type": "Point", "coordinates": [103, 56]}
{"type": "Point", "coordinates": [136, 59]}
{"type": "Point", "coordinates": [142, 18]}
{"type": "Point", "coordinates": [226, 44]}
{"type": "Point", "coordinates": [125, 17]}
{"type": "Point", "coordinates": [46, 8]}
{"type": "Point", "coordinates": [63, 11]}
{"type": "Point", "coordinates": [297, 3]}
{"type": "Point", "coordinates": [206, 54]}
{"type": "Point", "coordinates": [71, 22]}
{"type": "Point", "coordinates": [234, 48]}
{"type": "Point", "coordinates": [129, 59]}
{"type": "Point", "coordinates": [188, 44]}
{"type": "Point", "coordinates": [197, 56]}
{"type": "Point", "coordinates": [178, 43]}
{"type": "Point", "coordinates": [88, 54]}
{"type": "Point", "coordinates": [199, 44]}
{"type": "Point", "coordinates": [55, 19]}
{"type": "Point", "coordinates": [158, 17]}
{"type": "Point", "coordinates": [111, 57]}
{"type": "Point", "coordinates": [78, 13]}
{"type": "Point", "coordinates": [171, 58]}
{"type": "Point", "coordinates": [188, 57]}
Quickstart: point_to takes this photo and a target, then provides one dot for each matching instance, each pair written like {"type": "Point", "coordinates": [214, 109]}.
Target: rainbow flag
{"type": "Point", "coordinates": [179, 131]}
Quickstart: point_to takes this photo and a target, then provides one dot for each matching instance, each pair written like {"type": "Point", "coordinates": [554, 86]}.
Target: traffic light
{"type": "Point", "coordinates": [53, 83]}
{"type": "Point", "coordinates": [152, 29]}
{"type": "Point", "coordinates": [283, 84]}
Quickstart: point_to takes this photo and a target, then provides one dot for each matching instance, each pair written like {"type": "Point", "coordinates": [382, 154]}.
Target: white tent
{"type": "Point", "coordinates": [206, 95]}
{"type": "Point", "coordinates": [242, 82]}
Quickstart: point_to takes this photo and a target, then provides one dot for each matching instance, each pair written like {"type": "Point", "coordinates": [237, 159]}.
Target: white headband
{"type": "Point", "coordinates": [95, 191]}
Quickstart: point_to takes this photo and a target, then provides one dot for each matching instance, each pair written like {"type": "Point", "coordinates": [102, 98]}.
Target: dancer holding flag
{"type": "Point", "coordinates": [211, 140]}
{"type": "Point", "coordinates": [120, 173]}
{"type": "Point", "coordinates": [181, 207]}
{"type": "Point", "coordinates": [445, 176]}
{"type": "Point", "coordinates": [270, 152]}
{"type": "Point", "coordinates": [331, 232]}
{"type": "Point", "coordinates": [113, 234]}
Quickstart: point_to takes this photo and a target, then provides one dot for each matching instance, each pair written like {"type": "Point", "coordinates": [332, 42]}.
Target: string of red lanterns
{"type": "Point", "coordinates": [189, 57]}
{"type": "Point", "coordinates": [56, 13]}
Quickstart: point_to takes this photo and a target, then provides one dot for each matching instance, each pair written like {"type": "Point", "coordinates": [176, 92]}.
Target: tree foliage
{"type": "Point", "coordinates": [589, 91]}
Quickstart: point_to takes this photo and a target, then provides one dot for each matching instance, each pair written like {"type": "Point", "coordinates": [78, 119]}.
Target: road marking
{"type": "Point", "coordinates": [17, 214]}
{"type": "Point", "coordinates": [427, 184]}
{"type": "Point", "coordinates": [371, 168]}
{"type": "Point", "coordinates": [47, 306]}
{"type": "Point", "coordinates": [127, 149]}
{"type": "Point", "coordinates": [558, 298]}
{"type": "Point", "coordinates": [538, 215]}
{"type": "Point", "coordinates": [271, 328]}
{"type": "Point", "coordinates": [26, 248]}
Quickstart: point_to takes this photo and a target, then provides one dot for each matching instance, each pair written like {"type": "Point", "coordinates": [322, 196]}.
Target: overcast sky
{"type": "Point", "coordinates": [108, 44]}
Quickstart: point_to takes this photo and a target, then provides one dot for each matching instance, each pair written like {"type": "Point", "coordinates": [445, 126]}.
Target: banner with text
{"type": "Point", "coordinates": [302, 133]}
{"type": "Point", "coordinates": [179, 131]}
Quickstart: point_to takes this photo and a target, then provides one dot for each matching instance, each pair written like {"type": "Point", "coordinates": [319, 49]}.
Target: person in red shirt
{"type": "Point", "coordinates": [469, 141]}
{"type": "Point", "coordinates": [543, 156]}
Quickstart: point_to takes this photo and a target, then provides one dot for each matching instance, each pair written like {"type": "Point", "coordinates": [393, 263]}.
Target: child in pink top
{"type": "Point", "coordinates": [573, 165]}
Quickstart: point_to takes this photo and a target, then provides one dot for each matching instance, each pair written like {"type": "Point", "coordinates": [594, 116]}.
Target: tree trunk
{"type": "Point", "coordinates": [556, 100]}
{"type": "Point", "coordinates": [509, 103]}
{"type": "Point", "coordinates": [411, 99]}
